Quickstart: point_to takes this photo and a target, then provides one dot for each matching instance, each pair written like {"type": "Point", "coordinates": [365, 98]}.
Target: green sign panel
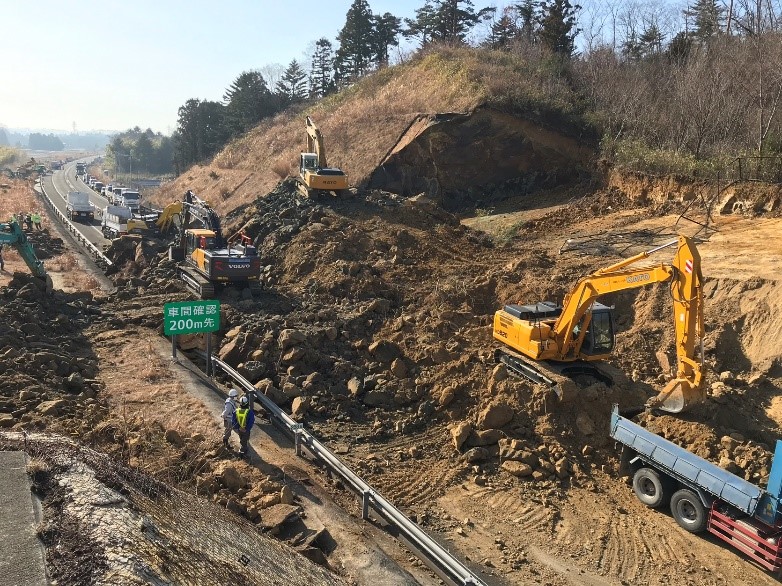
{"type": "Point", "coordinates": [191, 317]}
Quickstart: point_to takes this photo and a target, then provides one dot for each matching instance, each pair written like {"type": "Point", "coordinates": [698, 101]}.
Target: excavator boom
{"type": "Point", "coordinates": [582, 330]}
{"type": "Point", "coordinates": [315, 176]}
{"type": "Point", "coordinates": [13, 235]}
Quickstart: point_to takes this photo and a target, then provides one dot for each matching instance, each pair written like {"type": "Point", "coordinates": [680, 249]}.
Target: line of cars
{"type": "Point", "coordinates": [121, 216]}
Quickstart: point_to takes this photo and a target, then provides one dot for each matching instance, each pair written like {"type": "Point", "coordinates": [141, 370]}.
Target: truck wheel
{"type": "Point", "coordinates": [650, 489]}
{"type": "Point", "coordinates": [688, 511]}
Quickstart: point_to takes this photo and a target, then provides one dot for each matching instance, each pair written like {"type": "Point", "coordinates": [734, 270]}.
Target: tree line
{"type": "Point", "coordinates": [140, 151]}
{"type": "Point", "coordinates": [698, 83]}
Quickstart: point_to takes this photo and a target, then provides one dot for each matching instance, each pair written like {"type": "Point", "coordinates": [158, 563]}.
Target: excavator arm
{"type": "Point", "coordinates": [581, 331]}
{"type": "Point", "coordinates": [13, 235]}
{"type": "Point", "coordinates": [315, 143]}
{"type": "Point", "coordinates": [684, 274]}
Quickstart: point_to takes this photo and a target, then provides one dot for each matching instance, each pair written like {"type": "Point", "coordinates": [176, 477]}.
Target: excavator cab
{"type": "Point", "coordinates": [309, 162]}
{"type": "Point", "coordinates": [599, 336]}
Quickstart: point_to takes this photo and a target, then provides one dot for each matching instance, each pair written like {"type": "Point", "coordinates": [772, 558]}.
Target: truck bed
{"type": "Point", "coordinates": [685, 465]}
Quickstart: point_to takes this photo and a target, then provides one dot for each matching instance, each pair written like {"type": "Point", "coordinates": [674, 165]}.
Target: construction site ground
{"type": "Point", "coordinates": [580, 525]}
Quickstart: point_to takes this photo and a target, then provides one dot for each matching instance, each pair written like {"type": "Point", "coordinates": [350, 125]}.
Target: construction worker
{"type": "Point", "coordinates": [36, 217]}
{"type": "Point", "coordinates": [244, 418]}
{"type": "Point", "coordinates": [229, 412]}
{"type": "Point", "coordinates": [28, 222]}
{"type": "Point", "coordinates": [2, 262]}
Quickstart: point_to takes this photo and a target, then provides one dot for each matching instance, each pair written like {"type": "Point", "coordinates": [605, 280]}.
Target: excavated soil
{"type": "Point", "coordinates": [374, 329]}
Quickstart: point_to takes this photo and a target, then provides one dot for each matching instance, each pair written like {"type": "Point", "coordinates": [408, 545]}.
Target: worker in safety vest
{"type": "Point", "coordinates": [36, 217]}
{"type": "Point", "coordinates": [229, 411]}
{"type": "Point", "coordinates": [244, 418]}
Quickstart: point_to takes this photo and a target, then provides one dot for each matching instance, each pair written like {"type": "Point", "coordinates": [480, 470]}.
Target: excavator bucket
{"type": "Point", "coordinates": [677, 396]}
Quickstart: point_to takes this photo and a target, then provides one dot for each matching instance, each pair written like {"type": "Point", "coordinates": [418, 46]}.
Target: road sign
{"type": "Point", "coordinates": [191, 317]}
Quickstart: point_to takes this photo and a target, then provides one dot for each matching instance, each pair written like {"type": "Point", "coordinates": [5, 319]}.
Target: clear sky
{"type": "Point", "coordinates": [116, 64]}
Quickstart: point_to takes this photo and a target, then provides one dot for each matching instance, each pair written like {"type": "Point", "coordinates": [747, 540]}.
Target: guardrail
{"type": "Point", "coordinates": [431, 553]}
{"type": "Point", "coordinates": [97, 255]}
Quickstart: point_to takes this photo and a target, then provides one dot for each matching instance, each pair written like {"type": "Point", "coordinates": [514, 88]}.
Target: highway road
{"type": "Point", "coordinates": [57, 186]}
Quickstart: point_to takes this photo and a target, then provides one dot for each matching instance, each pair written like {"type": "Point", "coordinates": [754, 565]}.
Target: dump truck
{"type": "Point", "coordinates": [114, 222]}
{"type": "Point", "coordinates": [701, 495]}
{"type": "Point", "coordinates": [79, 206]}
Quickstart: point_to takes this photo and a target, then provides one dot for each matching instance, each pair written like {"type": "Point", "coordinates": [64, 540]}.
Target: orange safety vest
{"type": "Point", "coordinates": [241, 417]}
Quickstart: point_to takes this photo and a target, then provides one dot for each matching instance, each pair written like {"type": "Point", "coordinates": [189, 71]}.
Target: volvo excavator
{"type": "Point", "coordinates": [206, 260]}
{"type": "Point", "coordinates": [315, 176]}
{"type": "Point", "coordinates": [551, 344]}
{"type": "Point", "coordinates": [11, 234]}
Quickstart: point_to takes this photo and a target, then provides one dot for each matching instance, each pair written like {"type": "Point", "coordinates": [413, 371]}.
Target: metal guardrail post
{"type": "Point", "coordinates": [365, 505]}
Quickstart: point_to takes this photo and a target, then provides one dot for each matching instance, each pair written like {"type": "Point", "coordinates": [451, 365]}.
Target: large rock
{"type": "Point", "coordinates": [585, 424]}
{"type": "Point", "coordinates": [356, 387]}
{"type": "Point", "coordinates": [266, 386]}
{"type": "Point", "coordinates": [276, 516]}
{"type": "Point", "coordinates": [477, 455]}
{"type": "Point", "coordinates": [290, 337]}
{"type": "Point", "coordinates": [384, 351]}
{"type": "Point", "coordinates": [495, 415]}
{"type": "Point", "coordinates": [52, 408]}
{"type": "Point", "coordinates": [299, 407]}
{"type": "Point", "coordinates": [519, 469]}
{"type": "Point", "coordinates": [460, 432]}
{"type": "Point", "coordinates": [7, 420]}
{"type": "Point", "coordinates": [74, 383]}
{"type": "Point", "coordinates": [379, 397]}
{"type": "Point", "coordinates": [231, 478]}
{"type": "Point", "coordinates": [486, 437]}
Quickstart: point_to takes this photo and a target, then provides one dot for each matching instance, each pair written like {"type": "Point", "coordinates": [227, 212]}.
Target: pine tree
{"type": "Point", "coordinates": [248, 100]}
{"type": "Point", "coordinates": [356, 44]}
{"type": "Point", "coordinates": [527, 14]}
{"type": "Point", "coordinates": [386, 31]}
{"type": "Point", "coordinates": [321, 77]}
{"type": "Point", "coordinates": [707, 17]}
{"type": "Point", "coordinates": [292, 87]}
{"type": "Point", "coordinates": [557, 20]}
{"type": "Point", "coordinates": [504, 31]}
{"type": "Point", "coordinates": [200, 133]}
{"type": "Point", "coordinates": [456, 18]}
{"type": "Point", "coordinates": [423, 26]}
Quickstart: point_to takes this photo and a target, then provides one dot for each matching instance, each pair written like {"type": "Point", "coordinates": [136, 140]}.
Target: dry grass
{"type": "Point", "coordinates": [138, 379]}
{"type": "Point", "coordinates": [363, 123]}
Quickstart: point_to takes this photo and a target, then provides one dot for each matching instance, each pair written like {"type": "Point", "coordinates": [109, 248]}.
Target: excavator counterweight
{"type": "Point", "coordinates": [568, 340]}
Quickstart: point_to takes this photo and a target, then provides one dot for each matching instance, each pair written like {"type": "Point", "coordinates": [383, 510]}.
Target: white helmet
{"type": "Point", "coordinates": [233, 393]}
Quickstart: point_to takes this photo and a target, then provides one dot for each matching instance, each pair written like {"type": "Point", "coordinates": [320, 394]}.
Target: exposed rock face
{"type": "Point", "coordinates": [455, 159]}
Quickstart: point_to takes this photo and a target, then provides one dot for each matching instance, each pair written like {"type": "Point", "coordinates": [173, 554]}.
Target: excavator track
{"type": "Point", "coordinates": [196, 282]}
{"type": "Point", "coordinates": [557, 376]}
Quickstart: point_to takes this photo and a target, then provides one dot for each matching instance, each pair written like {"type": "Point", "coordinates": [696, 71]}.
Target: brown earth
{"type": "Point", "coordinates": [377, 313]}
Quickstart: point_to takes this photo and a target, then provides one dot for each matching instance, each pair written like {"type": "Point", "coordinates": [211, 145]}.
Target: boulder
{"type": "Point", "coordinates": [486, 437]}
{"type": "Point", "coordinates": [266, 386]}
{"type": "Point", "coordinates": [379, 397]}
{"type": "Point", "coordinates": [460, 432]}
{"type": "Point", "coordinates": [446, 397]}
{"type": "Point", "coordinates": [74, 383]}
{"type": "Point", "coordinates": [231, 478]}
{"type": "Point", "coordinates": [399, 368]}
{"type": "Point", "coordinates": [299, 407]}
{"type": "Point", "coordinates": [476, 455]}
{"type": "Point", "coordinates": [495, 415]}
{"type": "Point", "coordinates": [290, 337]}
{"type": "Point", "coordinates": [252, 369]}
{"type": "Point", "coordinates": [518, 469]}
{"type": "Point", "coordinates": [286, 495]}
{"type": "Point", "coordinates": [52, 408]}
{"type": "Point", "coordinates": [276, 516]}
{"type": "Point", "coordinates": [293, 355]}
{"type": "Point", "coordinates": [7, 420]}
{"type": "Point", "coordinates": [355, 387]}
{"type": "Point", "coordinates": [384, 351]}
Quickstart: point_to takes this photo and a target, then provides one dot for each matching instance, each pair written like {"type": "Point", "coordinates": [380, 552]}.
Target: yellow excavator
{"type": "Point", "coordinates": [551, 344]}
{"type": "Point", "coordinates": [315, 176]}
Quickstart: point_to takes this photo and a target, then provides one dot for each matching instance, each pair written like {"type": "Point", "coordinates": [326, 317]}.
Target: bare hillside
{"type": "Point", "coordinates": [447, 124]}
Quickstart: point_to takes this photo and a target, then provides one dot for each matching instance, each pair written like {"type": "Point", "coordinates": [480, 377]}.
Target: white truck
{"type": "Point", "coordinates": [79, 206]}
{"type": "Point", "coordinates": [130, 198]}
{"type": "Point", "coordinates": [115, 221]}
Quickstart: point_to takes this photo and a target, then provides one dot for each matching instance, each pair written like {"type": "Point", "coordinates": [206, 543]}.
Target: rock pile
{"type": "Point", "coordinates": [46, 362]}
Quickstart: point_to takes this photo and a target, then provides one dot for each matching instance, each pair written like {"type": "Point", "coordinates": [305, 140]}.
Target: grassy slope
{"type": "Point", "coordinates": [361, 124]}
